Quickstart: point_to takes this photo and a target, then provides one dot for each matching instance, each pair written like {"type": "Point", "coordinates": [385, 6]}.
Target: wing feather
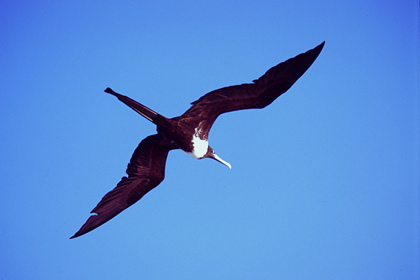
{"type": "Point", "coordinates": [145, 171]}
{"type": "Point", "coordinates": [258, 94]}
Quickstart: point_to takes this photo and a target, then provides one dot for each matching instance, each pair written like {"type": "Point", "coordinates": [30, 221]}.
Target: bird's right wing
{"type": "Point", "coordinates": [258, 94]}
{"type": "Point", "coordinates": [145, 171]}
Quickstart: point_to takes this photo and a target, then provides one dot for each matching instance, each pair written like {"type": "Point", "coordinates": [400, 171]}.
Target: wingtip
{"type": "Point", "coordinates": [320, 46]}
{"type": "Point", "coordinates": [315, 51]}
{"type": "Point", "coordinates": [87, 226]}
{"type": "Point", "coordinates": [77, 234]}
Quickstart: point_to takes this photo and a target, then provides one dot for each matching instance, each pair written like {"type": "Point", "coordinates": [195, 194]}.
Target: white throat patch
{"type": "Point", "coordinates": [200, 146]}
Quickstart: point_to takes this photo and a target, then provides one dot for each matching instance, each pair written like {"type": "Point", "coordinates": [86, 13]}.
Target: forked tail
{"type": "Point", "coordinates": [139, 108]}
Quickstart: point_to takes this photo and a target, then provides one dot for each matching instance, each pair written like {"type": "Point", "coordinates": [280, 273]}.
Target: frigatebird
{"type": "Point", "coordinates": [189, 132]}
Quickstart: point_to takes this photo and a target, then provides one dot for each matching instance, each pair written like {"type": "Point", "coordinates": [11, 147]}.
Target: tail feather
{"type": "Point", "coordinates": [136, 106]}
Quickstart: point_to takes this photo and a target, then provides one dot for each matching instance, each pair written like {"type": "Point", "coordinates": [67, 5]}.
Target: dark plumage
{"type": "Point", "coordinates": [189, 132]}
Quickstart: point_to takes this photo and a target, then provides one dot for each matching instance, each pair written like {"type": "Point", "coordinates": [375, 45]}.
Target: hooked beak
{"type": "Point", "coordinates": [216, 157]}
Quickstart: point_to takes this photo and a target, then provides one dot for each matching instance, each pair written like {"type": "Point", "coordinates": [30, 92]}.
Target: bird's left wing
{"type": "Point", "coordinates": [145, 171]}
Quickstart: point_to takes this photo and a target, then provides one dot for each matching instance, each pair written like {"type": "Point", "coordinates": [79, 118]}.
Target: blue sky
{"type": "Point", "coordinates": [325, 181]}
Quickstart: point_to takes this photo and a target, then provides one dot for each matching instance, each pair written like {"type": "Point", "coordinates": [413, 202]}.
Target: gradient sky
{"type": "Point", "coordinates": [325, 181]}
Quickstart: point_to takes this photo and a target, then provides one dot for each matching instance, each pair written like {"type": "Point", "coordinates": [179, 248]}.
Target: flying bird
{"type": "Point", "coordinates": [189, 132]}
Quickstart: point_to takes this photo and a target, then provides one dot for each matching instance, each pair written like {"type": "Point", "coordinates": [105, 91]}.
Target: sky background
{"type": "Point", "coordinates": [325, 181]}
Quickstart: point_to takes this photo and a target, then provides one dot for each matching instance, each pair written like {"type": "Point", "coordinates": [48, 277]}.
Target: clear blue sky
{"type": "Point", "coordinates": [325, 181]}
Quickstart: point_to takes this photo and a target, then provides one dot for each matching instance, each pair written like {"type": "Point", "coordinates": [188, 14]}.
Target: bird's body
{"type": "Point", "coordinates": [190, 132]}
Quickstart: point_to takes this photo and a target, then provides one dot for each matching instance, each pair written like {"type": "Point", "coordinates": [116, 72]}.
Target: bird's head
{"type": "Point", "coordinates": [211, 154]}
